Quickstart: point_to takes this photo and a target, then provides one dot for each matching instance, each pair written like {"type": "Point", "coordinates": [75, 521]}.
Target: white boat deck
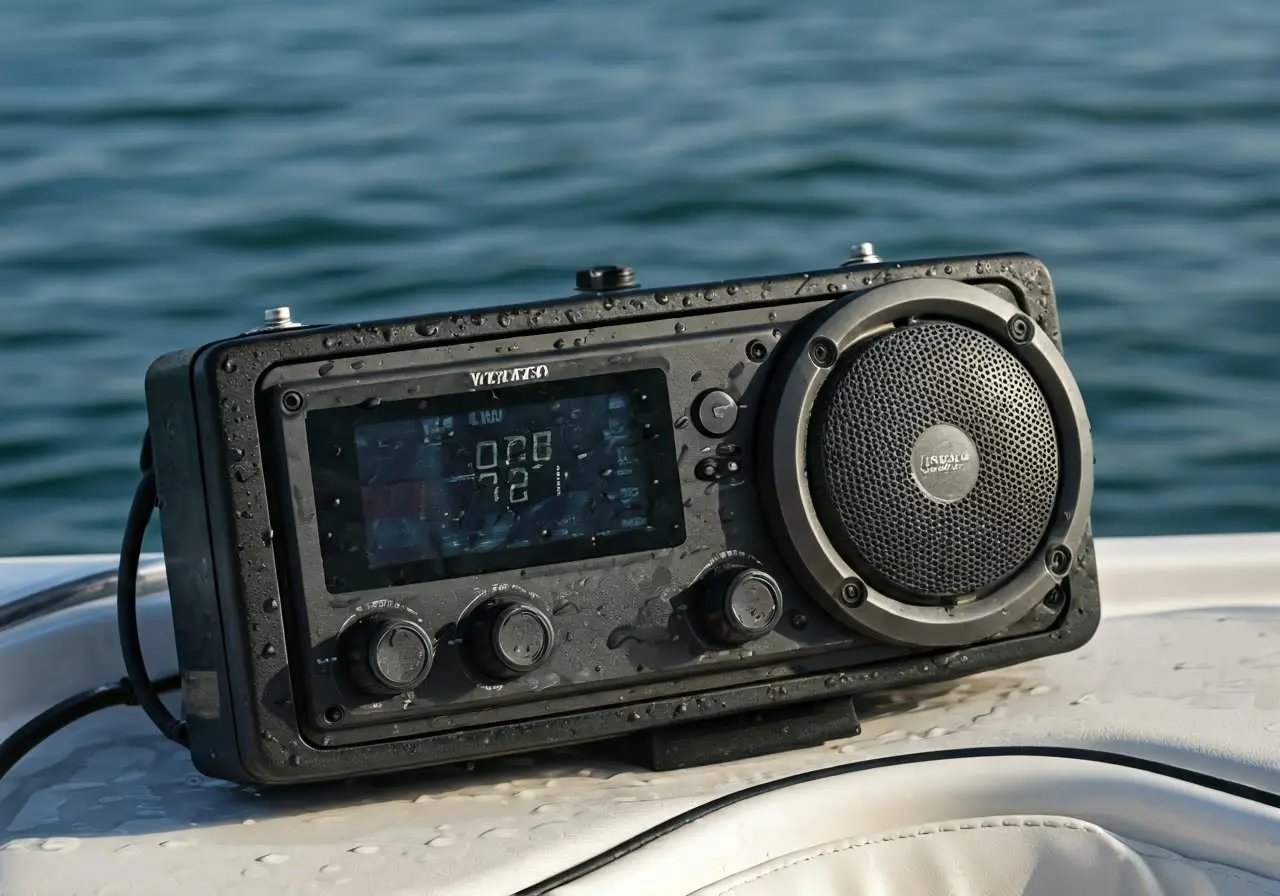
{"type": "Point", "coordinates": [1185, 669]}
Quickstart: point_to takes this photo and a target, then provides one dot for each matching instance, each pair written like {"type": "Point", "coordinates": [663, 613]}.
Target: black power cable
{"type": "Point", "coordinates": [74, 708]}
{"type": "Point", "coordinates": [136, 688]}
{"type": "Point", "coordinates": [144, 502]}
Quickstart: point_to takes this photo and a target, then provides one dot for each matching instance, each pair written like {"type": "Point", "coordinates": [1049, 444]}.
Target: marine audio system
{"type": "Point", "coordinates": [629, 512]}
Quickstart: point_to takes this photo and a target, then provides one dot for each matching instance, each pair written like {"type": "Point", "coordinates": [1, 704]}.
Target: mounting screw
{"type": "Point", "coordinates": [606, 278]}
{"type": "Point", "coordinates": [334, 714]}
{"type": "Point", "coordinates": [822, 351]}
{"type": "Point", "coordinates": [853, 594]}
{"type": "Point", "coordinates": [292, 401]}
{"type": "Point", "coordinates": [862, 253]}
{"type": "Point", "coordinates": [1059, 560]}
{"type": "Point", "coordinates": [1021, 329]}
{"type": "Point", "coordinates": [757, 351]}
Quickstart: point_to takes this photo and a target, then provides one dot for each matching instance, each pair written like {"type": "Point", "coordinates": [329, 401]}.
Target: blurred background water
{"type": "Point", "coordinates": [169, 169]}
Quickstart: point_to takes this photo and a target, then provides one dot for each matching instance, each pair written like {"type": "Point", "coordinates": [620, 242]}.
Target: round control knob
{"type": "Point", "coordinates": [386, 656]}
{"type": "Point", "coordinates": [508, 638]}
{"type": "Point", "coordinates": [740, 604]}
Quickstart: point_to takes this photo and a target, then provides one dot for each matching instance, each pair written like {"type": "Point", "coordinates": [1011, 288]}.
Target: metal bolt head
{"type": "Point", "coordinates": [1021, 329]}
{"type": "Point", "coordinates": [276, 319]}
{"type": "Point", "coordinates": [853, 593]}
{"type": "Point", "coordinates": [1059, 560]}
{"type": "Point", "coordinates": [863, 253]}
{"type": "Point", "coordinates": [823, 352]}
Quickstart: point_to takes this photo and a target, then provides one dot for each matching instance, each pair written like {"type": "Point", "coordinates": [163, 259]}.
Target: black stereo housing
{"type": "Point", "coordinates": [576, 641]}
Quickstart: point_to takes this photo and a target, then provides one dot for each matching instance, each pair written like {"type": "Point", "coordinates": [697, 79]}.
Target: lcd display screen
{"type": "Point", "coordinates": [486, 481]}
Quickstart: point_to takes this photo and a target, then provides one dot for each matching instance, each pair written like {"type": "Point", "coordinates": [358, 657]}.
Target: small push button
{"type": "Point", "coordinates": [716, 412]}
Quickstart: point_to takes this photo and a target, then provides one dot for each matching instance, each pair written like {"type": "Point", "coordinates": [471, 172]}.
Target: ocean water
{"type": "Point", "coordinates": [168, 170]}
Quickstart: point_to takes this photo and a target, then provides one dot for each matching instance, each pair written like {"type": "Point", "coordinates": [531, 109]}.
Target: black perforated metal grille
{"type": "Point", "coordinates": [871, 410]}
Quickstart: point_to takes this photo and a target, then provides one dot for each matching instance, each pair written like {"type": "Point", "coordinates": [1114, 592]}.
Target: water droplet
{"type": "Point", "coordinates": [269, 650]}
{"type": "Point", "coordinates": [427, 329]}
{"type": "Point", "coordinates": [799, 621]}
{"type": "Point", "coordinates": [680, 328]}
{"type": "Point", "coordinates": [559, 343]}
{"type": "Point", "coordinates": [330, 869]}
{"type": "Point", "coordinates": [366, 850]}
{"type": "Point", "coordinates": [504, 320]}
{"type": "Point", "coordinates": [441, 842]}
{"type": "Point", "coordinates": [268, 537]}
{"type": "Point", "coordinates": [682, 708]}
{"type": "Point", "coordinates": [273, 858]}
{"type": "Point", "coordinates": [682, 422]}
{"type": "Point", "coordinates": [329, 342]}
{"type": "Point", "coordinates": [697, 376]}
{"type": "Point", "coordinates": [608, 304]}
{"type": "Point", "coordinates": [175, 844]}
{"type": "Point", "coordinates": [500, 833]}
{"type": "Point", "coordinates": [371, 402]}
{"type": "Point", "coordinates": [60, 844]}
{"type": "Point", "coordinates": [229, 366]}
{"type": "Point", "coordinates": [732, 289]}
{"type": "Point", "coordinates": [271, 605]}
{"type": "Point", "coordinates": [633, 717]}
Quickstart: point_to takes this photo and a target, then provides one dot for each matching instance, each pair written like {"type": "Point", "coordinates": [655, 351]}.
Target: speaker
{"type": "Point", "coordinates": [931, 463]}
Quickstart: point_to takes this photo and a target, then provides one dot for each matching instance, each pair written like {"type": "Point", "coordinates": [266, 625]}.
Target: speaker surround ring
{"type": "Point", "coordinates": [816, 561]}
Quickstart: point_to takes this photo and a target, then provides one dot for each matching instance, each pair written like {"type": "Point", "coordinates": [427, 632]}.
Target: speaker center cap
{"type": "Point", "coordinates": [944, 463]}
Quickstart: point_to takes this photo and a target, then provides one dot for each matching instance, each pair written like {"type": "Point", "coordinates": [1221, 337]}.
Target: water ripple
{"type": "Point", "coordinates": [166, 172]}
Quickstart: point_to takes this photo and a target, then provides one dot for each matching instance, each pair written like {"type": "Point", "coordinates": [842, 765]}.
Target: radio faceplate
{"type": "Point", "coordinates": [339, 610]}
{"type": "Point", "coordinates": [619, 619]}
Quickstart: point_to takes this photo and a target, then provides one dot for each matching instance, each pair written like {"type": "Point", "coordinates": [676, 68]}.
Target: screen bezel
{"type": "Point", "coordinates": [335, 482]}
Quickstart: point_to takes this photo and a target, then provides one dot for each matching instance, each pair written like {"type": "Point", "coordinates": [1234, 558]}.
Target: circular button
{"type": "Point", "coordinates": [740, 605]}
{"type": "Point", "coordinates": [521, 638]}
{"type": "Point", "coordinates": [716, 412]}
{"type": "Point", "coordinates": [754, 603]}
{"type": "Point", "coordinates": [508, 638]}
{"type": "Point", "coordinates": [386, 657]}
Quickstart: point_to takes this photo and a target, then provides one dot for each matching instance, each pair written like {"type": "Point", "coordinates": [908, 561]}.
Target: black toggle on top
{"type": "Point", "coordinates": [606, 278]}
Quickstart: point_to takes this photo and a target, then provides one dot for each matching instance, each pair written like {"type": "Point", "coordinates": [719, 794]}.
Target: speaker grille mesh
{"type": "Point", "coordinates": [875, 404]}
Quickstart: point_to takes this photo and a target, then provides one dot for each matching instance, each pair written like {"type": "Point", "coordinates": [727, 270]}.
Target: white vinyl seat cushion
{"type": "Point", "coordinates": [997, 856]}
{"type": "Point", "coordinates": [965, 826]}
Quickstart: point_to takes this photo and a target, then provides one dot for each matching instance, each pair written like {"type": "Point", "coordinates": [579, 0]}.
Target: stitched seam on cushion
{"type": "Point", "coordinates": [928, 831]}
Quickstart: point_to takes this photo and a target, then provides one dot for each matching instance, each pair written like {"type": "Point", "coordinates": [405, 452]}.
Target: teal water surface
{"type": "Point", "coordinates": [168, 170]}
